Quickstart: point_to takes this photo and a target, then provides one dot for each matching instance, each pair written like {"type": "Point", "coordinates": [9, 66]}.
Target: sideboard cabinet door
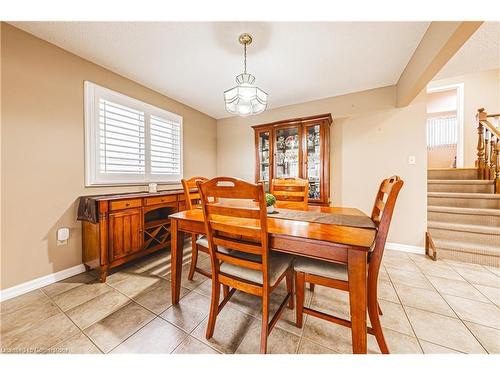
{"type": "Point", "coordinates": [125, 233]}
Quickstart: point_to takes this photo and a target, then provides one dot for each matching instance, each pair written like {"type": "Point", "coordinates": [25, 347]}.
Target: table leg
{"type": "Point", "coordinates": [176, 256]}
{"type": "Point", "coordinates": [356, 263]}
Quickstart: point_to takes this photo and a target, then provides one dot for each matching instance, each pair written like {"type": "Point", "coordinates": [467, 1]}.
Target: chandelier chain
{"type": "Point", "coordinates": [245, 57]}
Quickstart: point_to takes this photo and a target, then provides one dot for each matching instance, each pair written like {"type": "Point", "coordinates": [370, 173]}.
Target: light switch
{"type": "Point", "coordinates": [411, 159]}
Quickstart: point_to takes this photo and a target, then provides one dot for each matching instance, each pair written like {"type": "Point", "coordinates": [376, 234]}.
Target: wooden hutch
{"type": "Point", "coordinates": [297, 147]}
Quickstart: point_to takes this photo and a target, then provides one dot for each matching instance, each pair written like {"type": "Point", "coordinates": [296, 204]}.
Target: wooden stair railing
{"type": "Point", "coordinates": [488, 149]}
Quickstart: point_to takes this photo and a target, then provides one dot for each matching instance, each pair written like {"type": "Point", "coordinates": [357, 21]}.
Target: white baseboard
{"type": "Point", "coordinates": [405, 248]}
{"type": "Point", "coordinates": [28, 286]}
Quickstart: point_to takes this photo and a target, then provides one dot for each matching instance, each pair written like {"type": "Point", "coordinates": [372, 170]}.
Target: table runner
{"type": "Point", "coordinates": [324, 218]}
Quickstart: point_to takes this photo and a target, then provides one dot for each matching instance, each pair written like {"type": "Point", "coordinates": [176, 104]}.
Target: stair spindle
{"type": "Point", "coordinates": [497, 167]}
{"type": "Point", "coordinates": [486, 173]}
{"type": "Point", "coordinates": [480, 151]}
{"type": "Point", "coordinates": [493, 157]}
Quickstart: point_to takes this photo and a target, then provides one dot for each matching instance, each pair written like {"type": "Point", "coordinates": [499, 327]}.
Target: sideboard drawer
{"type": "Point", "coordinates": [126, 203]}
{"type": "Point", "coordinates": [151, 201]}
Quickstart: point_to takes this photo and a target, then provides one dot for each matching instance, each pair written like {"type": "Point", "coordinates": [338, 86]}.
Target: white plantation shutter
{"type": "Point", "coordinates": [165, 146]}
{"type": "Point", "coordinates": [121, 135]}
{"type": "Point", "coordinates": [128, 141]}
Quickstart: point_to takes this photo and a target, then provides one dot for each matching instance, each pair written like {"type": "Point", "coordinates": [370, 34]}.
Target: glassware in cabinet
{"type": "Point", "coordinates": [313, 154]}
{"type": "Point", "coordinates": [287, 152]}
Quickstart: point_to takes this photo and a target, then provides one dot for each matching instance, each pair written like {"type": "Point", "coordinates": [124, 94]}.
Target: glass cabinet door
{"type": "Point", "coordinates": [313, 160]}
{"type": "Point", "coordinates": [264, 160]}
{"type": "Point", "coordinates": [286, 160]}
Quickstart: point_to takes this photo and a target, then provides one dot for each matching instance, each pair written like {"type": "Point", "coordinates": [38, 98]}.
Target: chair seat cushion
{"type": "Point", "coordinates": [203, 241]}
{"type": "Point", "coordinates": [278, 264]}
{"type": "Point", "coordinates": [321, 268]}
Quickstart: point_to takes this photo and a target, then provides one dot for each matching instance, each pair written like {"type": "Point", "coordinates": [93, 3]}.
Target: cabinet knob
{"type": "Point", "coordinates": [127, 204]}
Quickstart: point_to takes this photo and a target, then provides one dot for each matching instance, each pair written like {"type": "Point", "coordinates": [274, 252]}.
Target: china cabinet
{"type": "Point", "coordinates": [296, 148]}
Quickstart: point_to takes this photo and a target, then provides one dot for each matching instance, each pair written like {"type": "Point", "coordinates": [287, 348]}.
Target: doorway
{"type": "Point", "coordinates": [445, 126]}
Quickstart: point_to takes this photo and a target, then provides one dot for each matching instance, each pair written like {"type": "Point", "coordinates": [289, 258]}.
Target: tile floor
{"type": "Point", "coordinates": [429, 307]}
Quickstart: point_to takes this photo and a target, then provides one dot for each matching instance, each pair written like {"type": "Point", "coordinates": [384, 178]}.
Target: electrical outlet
{"type": "Point", "coordinates": [411, 160]}
{"type": "Point", "coordinates": [62, 236]}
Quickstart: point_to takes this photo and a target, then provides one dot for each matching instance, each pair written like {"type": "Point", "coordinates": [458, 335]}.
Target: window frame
{"type": "Point", "coordinates": [92, 94]}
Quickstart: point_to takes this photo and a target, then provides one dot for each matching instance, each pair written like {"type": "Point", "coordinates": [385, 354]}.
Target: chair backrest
{"type": "Point", "coordinates": [291, 192]}
{"type": "Point", "coordinates": [235, 218]}
{"type": "Point", "coordinates": [382, 216]}
{"type": "Point", "coordinates": [191, 190]}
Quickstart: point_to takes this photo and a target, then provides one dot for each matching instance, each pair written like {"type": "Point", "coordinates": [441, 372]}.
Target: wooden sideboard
{"type": "Point", "coordinates": [126, 227]}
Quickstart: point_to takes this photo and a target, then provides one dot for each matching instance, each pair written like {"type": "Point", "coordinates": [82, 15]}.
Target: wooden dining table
{"type": "Point", "coordinates": [329, 242]}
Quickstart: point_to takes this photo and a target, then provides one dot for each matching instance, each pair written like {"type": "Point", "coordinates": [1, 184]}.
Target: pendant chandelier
{"type": "Point", "coordinates": [245, 99]}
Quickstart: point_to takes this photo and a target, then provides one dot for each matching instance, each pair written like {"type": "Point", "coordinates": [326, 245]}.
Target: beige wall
{"type": "Point", "coordinates": [371, 140]}
{"type": "Point", "coordinates": [481, 89]}
{"type": "Point", "coordinates": [43, 150]}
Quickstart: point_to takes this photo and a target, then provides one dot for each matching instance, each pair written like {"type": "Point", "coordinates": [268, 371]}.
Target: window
{"type": "Point", "coordinates": [128, 141]}
{"type": "Point", "coordinates": [442, 131]}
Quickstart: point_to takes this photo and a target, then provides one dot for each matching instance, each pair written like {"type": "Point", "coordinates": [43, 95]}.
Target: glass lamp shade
{"type": "Point", "coordinates": [245, 99]}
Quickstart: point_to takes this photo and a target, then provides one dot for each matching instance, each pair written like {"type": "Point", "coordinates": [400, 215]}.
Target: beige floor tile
{"type": "Point", "coordinates": [27, 317]}
{"type": "Point", "coordinates": [158, 299]}
{"type": "Point", "coordinates": [97, 308]}
{"type": "Point", "coordinates": [310, 347]}
{"type": "Point", "coordinates": [483, 277]}
{"type": "Point", "coordinates": [278, 342]}
{"type": "Point", "coordinates": [430, 348]}
{"type": "Point", "coordinates": [230, 329]}
{"type": "Point", "coordinates": [332, 336]}
{"type": "Point", "coordinates": [136, 283]}
{"type": "Point", "coordinates": [394, 318]}
{"type": "Point", "coordinates": [397, 343]}
{"type": "Point", "coordinates": [77, 344]}
{"type": "Point", "coordinates": [69, 283]}
{"type": "Point", "coordinates": [121, 273]}
{"type": "Point", "coordinates": [382, 274]}
{"type": "Point", "coordinates": [193, 346]}
{"type": "Point", "coordinates": [247, 303]}
{"type": "Point", "coordinates": [405, 264]}
{"type": "Point", "coordinates": [495, 270]}
{"type": "Point", "coordinates": [486, 314]}
{"type": "Point", "coordinates": [158, 336]}
{"type": "Point", "coordinates": [440, 270]}
{"type": "Point", "coordinates": [331, 301]}
{"type": "Point", "coordinates": [115, 328]}
{"type": "Point", "coordinates": [488, 337]}
{"type": "Point", "coordinates": [16, 303]}
{"type": "Point", "coordinates": [385, 290]}
{"type": "Point", "coordinates": [457, 288]}
{"type": "Point", "coordinates": [156, 264]}
{"type": "Point", "coordinates": [410, 278]}
{"type": "Point", "coordinates": [492, 293]}
{"type": "Point", "coordinates": [462, 265]}
{"type": "Point", "coordinates": [198, 279]}
{"type": "Point", "coordinates": [443, 330]}
{"type": "Point", "coordinates": [189, 312]}
{"type": "Point", "coordinates": [42, 335]}
{"type": "Point", "coordinates": [423, 299]}
{"type": "Point", "coordinates": [394, 254]}
{"type": "Point", "coordinates": [80, 294]}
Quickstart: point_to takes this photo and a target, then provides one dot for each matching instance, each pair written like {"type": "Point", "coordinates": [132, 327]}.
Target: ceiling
{"type": "Point", "coordinates": [481, 52]}
{"type": "Point", "coordinates": [194, 62]}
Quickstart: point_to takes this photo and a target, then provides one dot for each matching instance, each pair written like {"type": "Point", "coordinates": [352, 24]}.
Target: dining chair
{"type": "Point", "coordinates": [290, 192]}
{"type": "Point", "coordinates": [200, 243]}
{"type": "Point", "coordinates": [239, 249]}
{"type": "Point", "coordinates": [335, 275]}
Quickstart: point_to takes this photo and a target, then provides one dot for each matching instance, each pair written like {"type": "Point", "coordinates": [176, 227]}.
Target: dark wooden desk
{"type": "Point", "coordinates": [333, 243]}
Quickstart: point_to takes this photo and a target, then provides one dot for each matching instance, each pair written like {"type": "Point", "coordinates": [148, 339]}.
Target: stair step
{"type": "Point", "coordinates": [469, 228]}
{"type": "Point", "coordinates": [485, 254]}
{"type": "Point", "coordinates": [461, 186]}
{"type": "Point", "coordinates": [466, 233]}
{"type": "Point", "coordinates": [459, 251]}
{"type": "Point", "coordinates": [452, 173]}
{"type": "Point", "coordinates": [472, 200]}
{"type": "Point", "coordinates": [464, 215]}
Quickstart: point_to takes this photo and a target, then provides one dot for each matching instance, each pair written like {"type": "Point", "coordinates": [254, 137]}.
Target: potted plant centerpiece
{"type": "Point", "coordinates": [270, 201]}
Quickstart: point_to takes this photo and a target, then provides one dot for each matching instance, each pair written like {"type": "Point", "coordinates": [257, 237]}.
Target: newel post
{"type": "Point", "coordinates": [497, 167]}
{"type": "Point", "coordinates": [480, 162]}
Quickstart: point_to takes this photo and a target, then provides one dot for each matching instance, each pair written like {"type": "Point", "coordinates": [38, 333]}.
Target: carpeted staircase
{"type": "Point", "coordinates": [463, 216]}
